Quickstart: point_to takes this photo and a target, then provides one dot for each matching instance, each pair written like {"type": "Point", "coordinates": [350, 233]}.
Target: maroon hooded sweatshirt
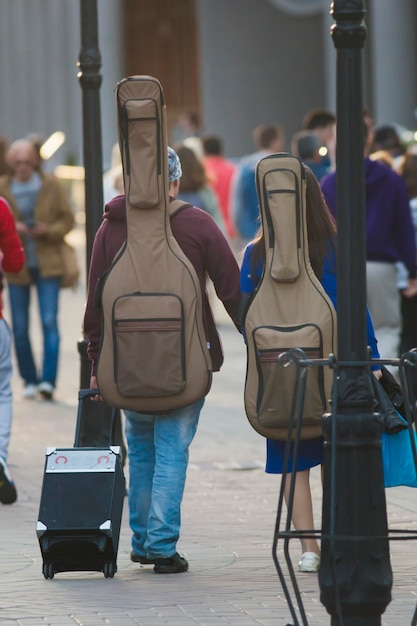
{"type": "Point", "coordinates": [201, 241]}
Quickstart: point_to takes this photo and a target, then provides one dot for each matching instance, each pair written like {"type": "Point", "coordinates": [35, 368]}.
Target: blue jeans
{"type": "Point", "coordinates": [158, 457]}
{"type": "Point", "coordinates": [48, 293]}
{"type": "Point", "coordinates": [6, 400]}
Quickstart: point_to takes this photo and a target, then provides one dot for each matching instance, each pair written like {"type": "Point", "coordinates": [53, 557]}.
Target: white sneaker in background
{"type": "Point", "coordinates": [29, 391]}
{"type": "Point", "coordinates": [46, 390]}
{"type": "Point", "coordinates": [310, 562]}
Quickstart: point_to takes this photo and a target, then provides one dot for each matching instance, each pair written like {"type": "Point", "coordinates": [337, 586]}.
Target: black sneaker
{"type": "Point", "coordinates": [143, 560]}
{"type": "Point", "coordinates": [173, 565]}
{"type": "Point", "coordinates": [8, 493]}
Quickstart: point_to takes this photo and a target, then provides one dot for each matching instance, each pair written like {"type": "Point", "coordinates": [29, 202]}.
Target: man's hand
{"type": "Point", "coordinates": [93, 385]}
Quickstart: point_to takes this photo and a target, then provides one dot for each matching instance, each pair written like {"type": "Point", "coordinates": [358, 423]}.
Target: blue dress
{"type": "Point", "coordinates": [310, 452]}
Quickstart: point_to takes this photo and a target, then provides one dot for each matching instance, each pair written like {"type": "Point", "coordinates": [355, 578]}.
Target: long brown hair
{"type": "Point", "coordinates": [409, 173]}
{"type": "Point", "coordinates": [193, 174]}
{"type": "Point", "coordinates": [321, 229]}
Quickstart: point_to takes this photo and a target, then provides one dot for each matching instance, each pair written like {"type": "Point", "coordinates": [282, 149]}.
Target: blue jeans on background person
{"type": "Point", "coordinates": [48, 295]}
{"type": "Point", "coordinates": [158, 451]}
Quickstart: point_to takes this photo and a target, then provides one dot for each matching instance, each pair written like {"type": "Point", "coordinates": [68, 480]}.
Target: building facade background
{"type": "Point", "coordinates": [238, 63]}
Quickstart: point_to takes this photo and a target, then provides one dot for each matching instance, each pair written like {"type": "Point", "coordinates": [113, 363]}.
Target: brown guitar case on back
{"type": "Point", "coordinates": [153, 356]}
{"type": "Point", "coordinates": [289, 308]}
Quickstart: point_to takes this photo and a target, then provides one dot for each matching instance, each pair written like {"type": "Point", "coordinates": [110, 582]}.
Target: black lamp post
{"type": "Point", "coordinates": [95, 426]}
{"type": "Point", "coordinates": [90, 81]}
{"type": "Point", "coordinates": [355, 574]}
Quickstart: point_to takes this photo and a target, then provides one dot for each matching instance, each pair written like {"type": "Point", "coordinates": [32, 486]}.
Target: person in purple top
{"type": "Point", "coordinates": [389, 238]}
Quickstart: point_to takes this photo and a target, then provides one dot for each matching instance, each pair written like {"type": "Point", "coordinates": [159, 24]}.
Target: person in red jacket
{"type": "Point", "coordinates": [158, 445]}
{"type": "Point", "coordinates": [221, 171]}
{"type": "Point", "coordinates": [12, 260]}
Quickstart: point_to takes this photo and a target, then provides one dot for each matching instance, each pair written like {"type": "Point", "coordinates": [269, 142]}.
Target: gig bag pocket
{"type": "Point", "coordinates": [277, 379]}
{"type": "Point", "coordinates": [149, 348]}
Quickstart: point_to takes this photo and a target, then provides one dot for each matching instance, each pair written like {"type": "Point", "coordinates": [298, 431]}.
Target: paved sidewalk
{"type": "Point", "coordinates": [228, 521]}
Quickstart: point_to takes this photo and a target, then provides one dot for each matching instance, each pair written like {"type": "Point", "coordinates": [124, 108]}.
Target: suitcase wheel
{"type": "Point", "coordinates": [48, 570]}
{"type": "Point", "coordinates": [109, 570]}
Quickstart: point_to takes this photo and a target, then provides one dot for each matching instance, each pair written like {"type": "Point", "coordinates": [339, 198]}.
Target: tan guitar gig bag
{"type": "Point", "coordinates": [289, 308]}
{"type": "Point", "coordinates": [153, 356]}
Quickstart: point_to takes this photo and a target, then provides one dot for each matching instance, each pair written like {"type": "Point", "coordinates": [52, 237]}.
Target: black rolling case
{"type": "Point", "coordinates": [81, 506]}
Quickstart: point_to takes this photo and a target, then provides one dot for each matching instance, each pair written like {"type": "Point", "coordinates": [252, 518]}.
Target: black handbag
{"type": "Point", "coordinates": [389, 399]}
{"type": "Point", "coordinates": [393, 390]}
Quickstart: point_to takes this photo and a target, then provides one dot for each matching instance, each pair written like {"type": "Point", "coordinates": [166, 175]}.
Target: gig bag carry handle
{"type": "Point", "coordinates": [84, 394]}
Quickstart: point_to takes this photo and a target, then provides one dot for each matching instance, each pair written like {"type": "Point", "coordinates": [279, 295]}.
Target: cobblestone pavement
{"type": "Point", "coordinates": [228, 521]}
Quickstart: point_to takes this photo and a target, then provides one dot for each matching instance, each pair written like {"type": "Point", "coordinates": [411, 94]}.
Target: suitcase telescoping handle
{"type": "Point", "coordinates": [83, 394]}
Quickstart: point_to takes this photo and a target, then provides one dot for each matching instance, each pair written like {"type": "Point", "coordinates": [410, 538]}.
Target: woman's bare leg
{"type": "Point", "coordinates": [302, 510]}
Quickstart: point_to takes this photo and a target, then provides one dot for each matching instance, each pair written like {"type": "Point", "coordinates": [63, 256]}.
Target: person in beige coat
{"type": "Point", "coordinates": [43, 216]}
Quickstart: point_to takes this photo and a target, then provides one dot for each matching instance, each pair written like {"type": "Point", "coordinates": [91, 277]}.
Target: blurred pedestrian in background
{"type": "Point", "coordinates": [386, 138]}
{"type": "Point", "coordinates": [221, 172]}
{"type": "Point", "coordinates": [188, 125]}
{"type": "Point", "coordinates": [43, 216]}
{"type": "Point", "coordinates": [195, 186]}
{"type": "Point", "coordinates": [306, 145]}
{"type": "Point", "coordinates": [408, 171]}
{"type": "Point", "coordinates": [323, 124]}
{"type": "Point", "coordinates": [268, 139]}
{"type": "Point", "coordinates": [389, 239]}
